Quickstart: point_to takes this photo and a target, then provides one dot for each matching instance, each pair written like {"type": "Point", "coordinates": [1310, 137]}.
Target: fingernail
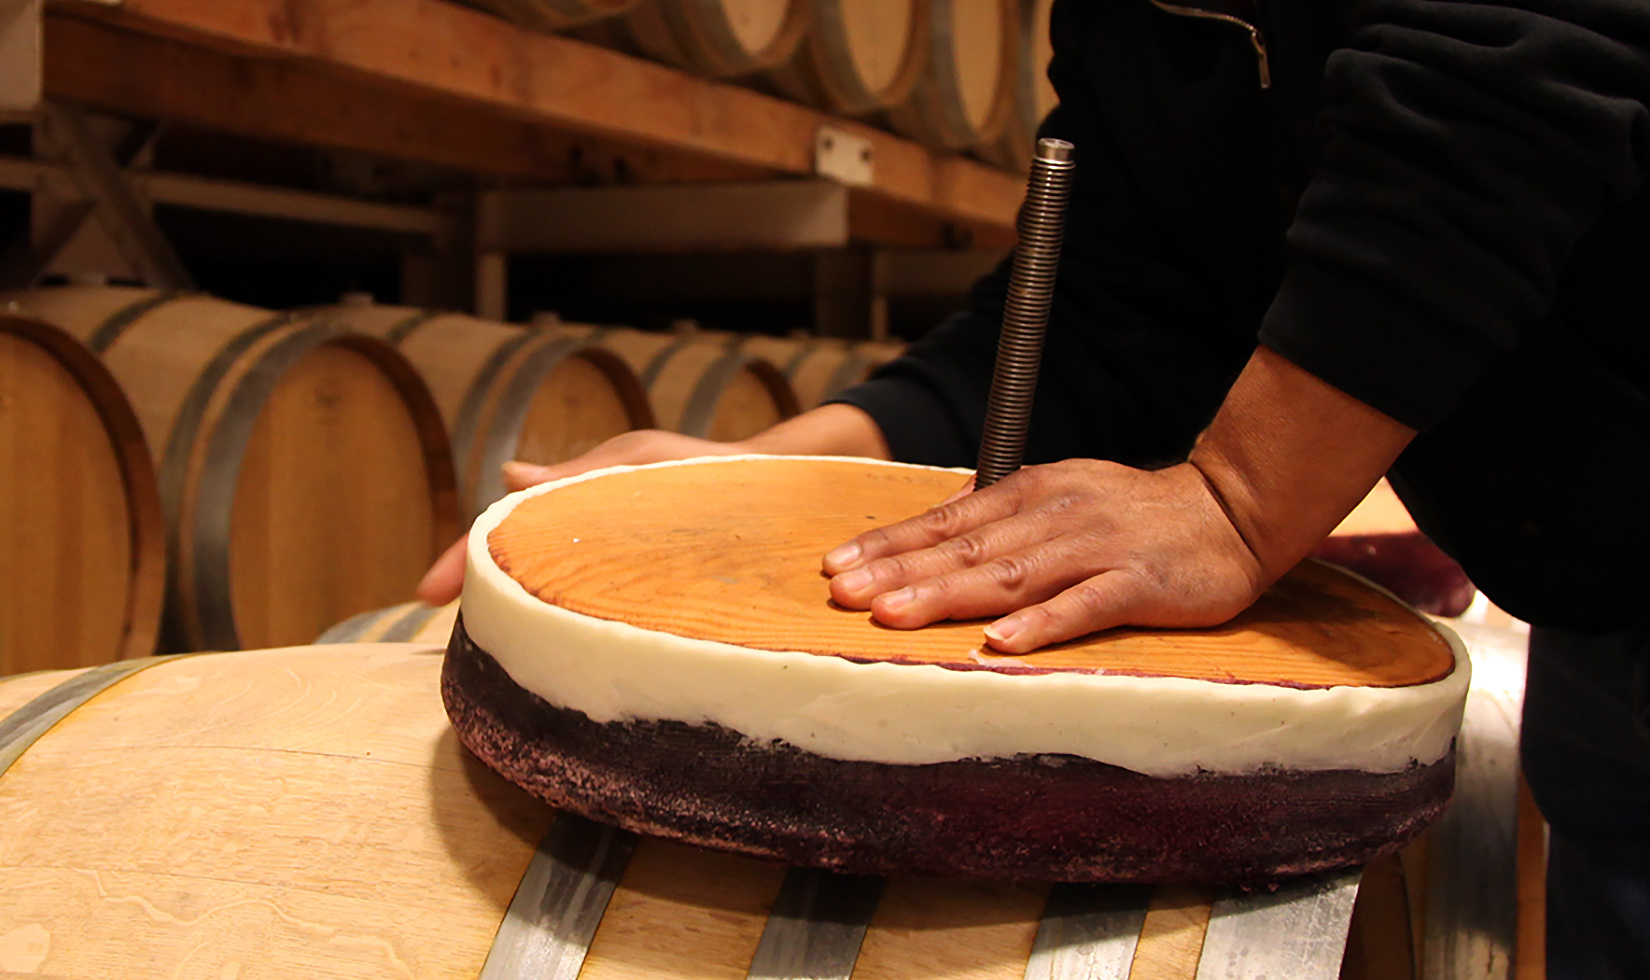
{"type": "Point", "coordinates": [854, 581]}
{"type": "Point", "coordinates": [1004, 629]}
{"type": "Point", "coordinates": [898, 599]}
{"type": "Point", "coordinates": [843, 555]}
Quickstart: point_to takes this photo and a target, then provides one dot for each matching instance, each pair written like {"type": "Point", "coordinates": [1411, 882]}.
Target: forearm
{"type": "Point", "coordinates": [1288, 456]}
{"type": "Point", "coordinates": [829, 430]}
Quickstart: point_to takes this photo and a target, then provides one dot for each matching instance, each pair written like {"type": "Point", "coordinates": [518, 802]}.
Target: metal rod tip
{"type": "Point", "coordinates": [1055, 151]}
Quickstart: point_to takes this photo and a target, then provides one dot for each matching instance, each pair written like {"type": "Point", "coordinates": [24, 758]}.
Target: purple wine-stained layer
{"type": "Point", "coordinates": [1409, 566]}
{"type": "Point", "coordinates": [1048, 818]}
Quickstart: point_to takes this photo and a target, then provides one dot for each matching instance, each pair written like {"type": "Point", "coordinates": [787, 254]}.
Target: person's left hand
{"type": "Point", "coordinates": [1065, 549]}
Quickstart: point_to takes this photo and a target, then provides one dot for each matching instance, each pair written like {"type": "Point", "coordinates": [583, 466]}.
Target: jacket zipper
{"type": "Point", "coordinates": [1255, 39]}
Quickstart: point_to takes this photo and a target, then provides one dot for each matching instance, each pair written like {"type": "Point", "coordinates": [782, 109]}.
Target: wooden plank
{"type": "Point", "coordinates": [958, 929]}
{"type": "Point", "coordinates": [303, 812]}
{"type": "Point", "coordinates": [772, 214]}
{"type": "Point", "coordinates": [441, 48]}
{"type": "Point", "coordinates": [299, 102]}
{"type": "Point", "coordinates": [1171, 940]}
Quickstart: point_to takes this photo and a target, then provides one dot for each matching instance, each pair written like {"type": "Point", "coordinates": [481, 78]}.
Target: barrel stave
{"type": "Point", "coordinates": [82, 540]}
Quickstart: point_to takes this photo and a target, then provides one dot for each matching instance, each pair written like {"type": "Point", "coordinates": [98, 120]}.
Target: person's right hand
{"type": "Point", "coordinates": [442, 583]}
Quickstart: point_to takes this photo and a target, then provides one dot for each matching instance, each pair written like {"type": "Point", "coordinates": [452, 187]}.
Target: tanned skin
{"type": "Point", "coordinates": [1060, 550]}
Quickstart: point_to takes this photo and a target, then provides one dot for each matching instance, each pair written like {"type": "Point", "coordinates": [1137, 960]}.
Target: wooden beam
{"type": "Point", "coordinates": [439, 48]}
{"type": "Point", "coordinates": [236, 197]}
{"type": "Point", "coordinates": [301, 102]}
{"type": "Point", "coordinates": [763, 215]}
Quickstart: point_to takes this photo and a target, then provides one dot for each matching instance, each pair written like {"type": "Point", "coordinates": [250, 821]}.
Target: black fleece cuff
{"type": "Point", "coordinates": [1370, 344]}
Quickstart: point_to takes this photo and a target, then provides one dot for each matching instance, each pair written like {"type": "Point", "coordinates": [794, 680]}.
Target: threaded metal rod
{"type": "Point", "coordinates": [1042, 225]}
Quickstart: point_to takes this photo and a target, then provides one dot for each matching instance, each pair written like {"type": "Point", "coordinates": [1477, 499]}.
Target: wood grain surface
{"type": "Point", "coordinates": [731, 552]}
{"type": "Point", "coordinates": [82, 540]}
{"type": "Point", "coordinates": [307, 812]}
{"type": "Point", "coordinates": [683, 913]}
{"type": "Point", "coordinates": [578, 407]}
{"type": "Point", "coordinates": [962, 97]}
{"type": "Point", "coordinates": [65, 522]}
{"type": "Point", "coordinates": [859, 57]}
{"type": "Point", "coordinates": [940, 927]}
{"type": "Point", "coordinates": [18, 690]}
{"type": "Point", "coordinates": [1171, 939]}
{"type": "Point", "coordinates": [479, 371]}
{"type": "Point", "coordinates": [677, 371]}
{"type": "Point", "coordinates": [333, 507]}
{"type": "Point", "coordinates": [300, 812]}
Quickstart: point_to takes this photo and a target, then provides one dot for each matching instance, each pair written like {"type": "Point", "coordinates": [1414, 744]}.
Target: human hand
{"type": "Point", "coordinates": [1063, 550]}
{"type": "Point", "coordinates": [445, 579]}
{"type": "Point", "coordinates": [834, 430]}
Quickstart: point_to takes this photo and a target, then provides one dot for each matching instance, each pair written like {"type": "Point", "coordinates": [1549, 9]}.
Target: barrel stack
{"type": "Point", "coordinates": [507, 392]}
{"type": "Point", "coordinates": [303, 468]}
{"type": "Point", "coordinates": [959, 75]}
{"type": "Point", "coordinates": [699, 385]}
{"type": "Point", "coordinates": [816, 367]}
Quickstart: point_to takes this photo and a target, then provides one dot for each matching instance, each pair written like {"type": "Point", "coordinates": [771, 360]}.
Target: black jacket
{"type": "Point", "coordinates": [1438, 207]}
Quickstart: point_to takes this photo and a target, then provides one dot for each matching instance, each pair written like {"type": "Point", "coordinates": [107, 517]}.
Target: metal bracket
{"type": "Point", "coordinates": [843, 157]}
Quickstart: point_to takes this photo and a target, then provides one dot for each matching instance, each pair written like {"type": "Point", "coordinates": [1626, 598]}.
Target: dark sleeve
{"type": "Point", "coordinates": [1468, 147]}
{"type": "Point", "coordinates": [1155, 312]}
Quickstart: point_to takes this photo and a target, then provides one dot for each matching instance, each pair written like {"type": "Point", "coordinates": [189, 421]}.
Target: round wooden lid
{"type": "Point", "coordinates": [730, 551]}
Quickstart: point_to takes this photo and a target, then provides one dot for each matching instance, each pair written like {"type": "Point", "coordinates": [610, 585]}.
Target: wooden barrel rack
{"type": "Point", "coordinates": [303, 468]}
{"type": "Point", "coordinates": [507, 392]}
{"type": "Point", "coordinates": [702, 387]}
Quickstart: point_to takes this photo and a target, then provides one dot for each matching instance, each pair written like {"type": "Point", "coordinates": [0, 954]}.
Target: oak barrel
{"type": "Point", "coordinates": [307, 812]}
{"type": "Point", "coordinates": [82, 540]}
{"type": "Point", "coordinates": [304, 471]}
{"type": "Point", "coordinates": [1031, 95]}
{"type": "Point", "coordinates": [714, 38]}
{"type": "Point", "coordinates": [507, 392]}
{"type": "Point", "coordinates": [409, 622]}
{"type": "Point", "coordinates": [701, 387]}
{"type": "Point", "coordinates": [816, 367]}
{"type": "Point", "coordinates": [962, 97]}
{"type": "Point", "coordinates": [553, 15]}
{"type": "Point", "coordinates": [859, 56]}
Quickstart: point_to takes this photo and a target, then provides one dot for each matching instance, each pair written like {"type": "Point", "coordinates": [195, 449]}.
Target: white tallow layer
{"type": "Point", "coordinates": [912, 714]}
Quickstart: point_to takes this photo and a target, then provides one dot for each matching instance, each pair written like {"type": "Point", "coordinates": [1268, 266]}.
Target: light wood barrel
{"type": "Point", "coordinates": [553, 15]}
{"type": "Point", "coordinates": [859, 57]}
{"type": "Point", "coordinates": [307, 812]}
{"type": "Point", "coordinates": [82, 539]}
{"type": "Point", "coordinates": [963, 95]}
{"type": "Point", "coordinates": [715, 38]}
{"type": "Point", "coordinates": [410, 622]}
{"type": "Point", "coordinates": [507, 392]}
{"type": "Point", "coordinates": [304, 471]}
{"type": "Point", "coordinates": [703, 388]}
{"type": "Point", "coordinates": [817, 368]}
{"type": "Point", "coordinates": [1031, 95]}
